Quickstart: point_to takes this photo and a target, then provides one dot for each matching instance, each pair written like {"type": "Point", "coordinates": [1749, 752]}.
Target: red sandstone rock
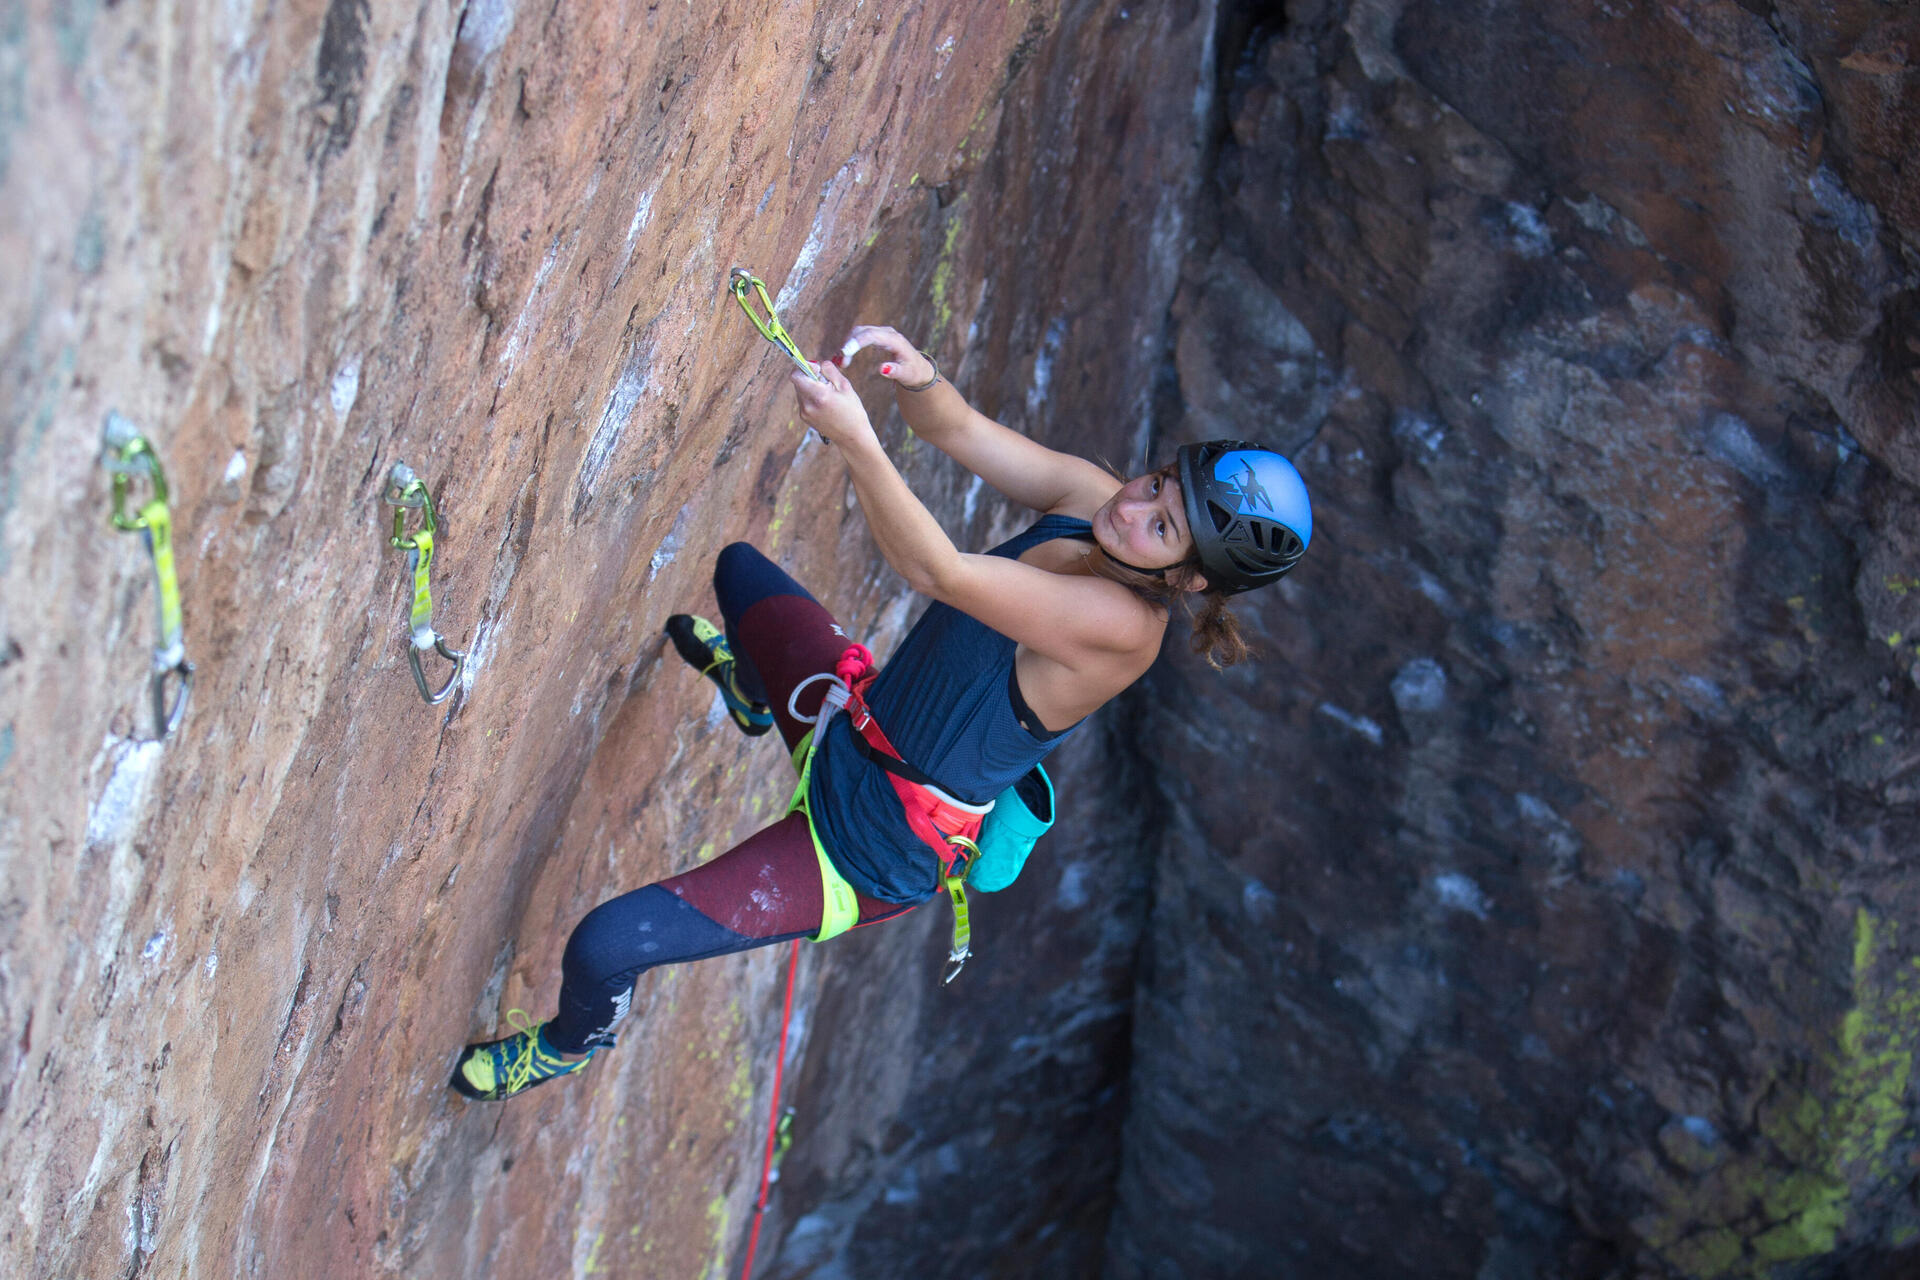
{"type": "Point", "coordinates": [491, 241]}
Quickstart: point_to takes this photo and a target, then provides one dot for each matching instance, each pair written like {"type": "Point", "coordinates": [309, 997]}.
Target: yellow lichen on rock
{"type": "Point", "coordinates": [1825, 1138]}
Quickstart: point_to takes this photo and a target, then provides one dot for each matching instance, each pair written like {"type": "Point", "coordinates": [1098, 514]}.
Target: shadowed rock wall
{"type": "Point", "coordinates": [1541, 905]}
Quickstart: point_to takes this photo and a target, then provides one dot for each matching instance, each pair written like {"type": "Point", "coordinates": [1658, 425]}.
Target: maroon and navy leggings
{"type": "Point", "coordinates": [765, 889]}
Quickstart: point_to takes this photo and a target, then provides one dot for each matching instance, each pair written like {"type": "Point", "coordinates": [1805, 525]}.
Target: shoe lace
{"type": "Point", "coordinates": [523, 1055]}
{"type": "Point", "coordinates": [723, 658]}
{"type": "Point", "coordinates": [721, 651]}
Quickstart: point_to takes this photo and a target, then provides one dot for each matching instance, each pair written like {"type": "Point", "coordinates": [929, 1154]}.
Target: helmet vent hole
{"type": "Point", "coordinates": [1221, 516]}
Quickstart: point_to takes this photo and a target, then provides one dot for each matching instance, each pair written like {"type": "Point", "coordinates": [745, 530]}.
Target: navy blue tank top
{"type": "Point", "coordinates": [945, 701]}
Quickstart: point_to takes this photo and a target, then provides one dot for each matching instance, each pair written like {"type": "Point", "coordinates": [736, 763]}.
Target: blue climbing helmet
{"type": "Point", "coordinates": [1248, 510]}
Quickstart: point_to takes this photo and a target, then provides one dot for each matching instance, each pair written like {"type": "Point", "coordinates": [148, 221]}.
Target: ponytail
{"type": "Point", "coordinates": [1216, 632]}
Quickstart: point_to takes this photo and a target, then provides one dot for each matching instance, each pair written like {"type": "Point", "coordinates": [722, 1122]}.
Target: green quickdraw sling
{"type": "Point", "coordinates": [742, 283]}
{"type": "Point", "coordinates": [405, 491]}
{"type": "Point", "coordinates": [127, 454]}
{"type": "Point", "coordinates": [956, 887]}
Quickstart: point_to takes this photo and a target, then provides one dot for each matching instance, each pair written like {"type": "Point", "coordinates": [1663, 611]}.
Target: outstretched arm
{"type": "Point", "coordinates": [1025, 471]}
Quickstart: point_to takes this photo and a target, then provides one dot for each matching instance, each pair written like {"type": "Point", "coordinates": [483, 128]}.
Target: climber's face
{"type": "Point", "coordinates": [1145, 524]}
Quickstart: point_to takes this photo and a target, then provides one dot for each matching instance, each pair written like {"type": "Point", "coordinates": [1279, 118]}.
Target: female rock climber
{"type": "Point", "coordinates": [1019, 646]}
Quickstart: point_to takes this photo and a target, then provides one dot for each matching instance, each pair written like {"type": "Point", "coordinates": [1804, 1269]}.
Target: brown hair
{"type": "Point", "coordinates": [1216, 632]}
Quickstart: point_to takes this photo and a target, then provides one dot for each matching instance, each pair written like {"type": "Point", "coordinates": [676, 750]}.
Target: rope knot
{"type": "Point", "coordinates": [855, 666]}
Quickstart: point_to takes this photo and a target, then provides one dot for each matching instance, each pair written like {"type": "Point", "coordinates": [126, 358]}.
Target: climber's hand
{"type": "Point", "coordinates": [900, 360]}
{"type": "Point", "coordinates": [831, 407]}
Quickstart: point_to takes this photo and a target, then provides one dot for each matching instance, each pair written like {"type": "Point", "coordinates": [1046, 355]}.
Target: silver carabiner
{"type": "Point", "coordinates": [457, 657]}
{"type": "Point", "coordinates": [171, 663]}
{"type": "Point", "coordinates": [956, 961]}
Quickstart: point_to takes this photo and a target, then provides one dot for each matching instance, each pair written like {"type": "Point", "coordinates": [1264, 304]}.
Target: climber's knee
{"type": "Point", "coordinates": [608, 940]}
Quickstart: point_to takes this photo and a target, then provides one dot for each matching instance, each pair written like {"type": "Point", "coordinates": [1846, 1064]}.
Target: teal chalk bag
{"type": "Point", "coordinates": [1023, 813]}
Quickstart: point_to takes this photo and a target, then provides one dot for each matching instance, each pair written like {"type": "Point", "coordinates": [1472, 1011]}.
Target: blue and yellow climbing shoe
{"type": "Point", "coordinates": [706, 651]}
{"type": "Point", "coordinates": [499, 1069]}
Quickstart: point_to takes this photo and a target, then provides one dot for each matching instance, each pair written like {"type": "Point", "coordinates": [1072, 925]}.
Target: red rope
{"type": "Point", "coordinates": [855, 669]}
{"type": "Point", "coordinates": [773, 1121]}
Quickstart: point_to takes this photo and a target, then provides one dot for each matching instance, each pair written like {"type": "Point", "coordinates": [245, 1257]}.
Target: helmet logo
{"type": "Point", "coordinates": [1245, 485]}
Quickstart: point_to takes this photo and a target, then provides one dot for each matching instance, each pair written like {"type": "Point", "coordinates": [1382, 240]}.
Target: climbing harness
{"type": "Point", "coordinates": [948, 825]}
{"type": "Point", "coordinates": [405, 490]}
{"type": "Point", "coordinates": [742, 282]}
{"type": "Point", "coordinates": [127, 454]}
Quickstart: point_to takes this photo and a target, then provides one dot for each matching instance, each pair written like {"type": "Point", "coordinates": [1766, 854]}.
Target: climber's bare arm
{"type": "Point", "coordinates": [1025, 471]}
{"type": "Point", "coordinates": [1101, 633]}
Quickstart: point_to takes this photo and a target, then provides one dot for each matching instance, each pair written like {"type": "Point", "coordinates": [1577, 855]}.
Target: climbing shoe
{"type": "Point", "coordinates": [499, 1069]}
{"type": "Point", "coordinates": [705, 649]}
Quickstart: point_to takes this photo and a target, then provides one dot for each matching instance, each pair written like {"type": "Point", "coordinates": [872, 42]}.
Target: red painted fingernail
{"type": "Point", "coordinates": [886, 370]}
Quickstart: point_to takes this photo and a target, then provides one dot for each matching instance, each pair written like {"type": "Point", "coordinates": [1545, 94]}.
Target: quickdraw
{"type": "Point", "coordinates": [945, 823]}
{"type": "Point", "coordinates": [406, 491]}
{"type": "Point", "coordinates": [127, 454]}
{"type": "Point", "coordinates": [783, 1139]}
{"type": "Point", "coordinates": [741, 283]}
{"type": "Point", "coordinates": [962, 929]}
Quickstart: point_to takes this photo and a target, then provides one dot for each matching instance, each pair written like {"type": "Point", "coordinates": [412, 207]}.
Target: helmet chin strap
{"type": "Point", "coordinates": [1151, 573]}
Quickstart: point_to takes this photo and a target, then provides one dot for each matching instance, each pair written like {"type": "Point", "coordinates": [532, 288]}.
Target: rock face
{"type": "Point", "coordinates": [1535, 907]}
{"type": "Point", "coordinates": [298, 243]}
